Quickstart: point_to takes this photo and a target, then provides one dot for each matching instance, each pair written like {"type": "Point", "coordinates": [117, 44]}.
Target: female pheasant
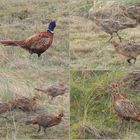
{"type": "Point", "coordinates": [129, 49]}
{"type": "Point", "coordinates": [132, 12]}
{"type": "Point", "coordinates": [6, 106]}
{"type": "Point", "coordinates": [25, 103]}
{"type": "Point", "coordinates": [37, 43]}
{"type": "Point", "coordinates": [124, 108]}
{"type": "Point", "coordinates": [111, 26]}
{"type": "Point", "coordinates": [54, 90]}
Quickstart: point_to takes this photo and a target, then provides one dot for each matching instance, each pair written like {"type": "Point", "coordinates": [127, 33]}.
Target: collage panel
{"type": "Point", "coordinates": [104, 34]}
{"type": "Point", "coordinates": [25, 21]}
{"type": "Point", "coordinates": [105, 104]}
{"type": "Point", "coordinates": [33, 99]}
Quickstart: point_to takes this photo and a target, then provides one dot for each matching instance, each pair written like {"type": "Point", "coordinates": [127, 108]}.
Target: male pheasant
{"type": "Point", "coordinates": [37, 43]}
{"type": "Point", "coordinates": [46, 120]}
{"type": "Point", "coordinates": [124, 108]}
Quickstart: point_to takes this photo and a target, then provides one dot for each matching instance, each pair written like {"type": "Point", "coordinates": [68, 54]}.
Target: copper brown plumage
{"type": "Point", "coordinates": [54, 90]}
{"type": "Point", "coordinates": [129, 49]}
{"type": "Point", "coordinates": [37, 43]}
{"type": "Point", "coordinates": [6, 106]}
{"type": "Point", "coordinates": [25, 103]}
{"type": "Point", "coordinates": [111, 26]}
{"type": "Point", "coordinates": [123, 107]}
{"type": "Point", "coordinates": [132, 12]}
{"type": "Point", "coordinates": [46, 120]}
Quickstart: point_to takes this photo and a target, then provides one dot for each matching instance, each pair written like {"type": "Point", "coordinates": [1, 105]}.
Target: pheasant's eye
{"type": "Point", "coordinates": [116, 85]}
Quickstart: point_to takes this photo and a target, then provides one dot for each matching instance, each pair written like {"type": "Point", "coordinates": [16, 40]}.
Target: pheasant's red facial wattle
{"type": "Point", "coordinates": [114, 85]}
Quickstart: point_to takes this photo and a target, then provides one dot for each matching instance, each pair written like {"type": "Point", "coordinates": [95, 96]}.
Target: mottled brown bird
{"type": "Point", "coordinates": [132, 12]}
{"type": "Point", "coordinates": [54, 90]}
{"type": "Point", "coordinates": [6, 106]}
{"type": "Point", "coordinates": [123, 107]}
{"type": "Point", "coordinates": [129, 49]}
{"type": "Point", "coordinates": [25, 104]}
{"type": "Point", "coordinates": [37, 43]}
{"type": "Point", "coordinates": [112, 26]}
{"type": "Point", "coordinates": [46, 120]}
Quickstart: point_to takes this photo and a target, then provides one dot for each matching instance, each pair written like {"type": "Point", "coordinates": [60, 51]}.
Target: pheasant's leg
{"type": "Point", "coordinates": [134, 60]}
{"type": "Point", "coordinates": [129, 61]}
{"type": "Point", "coordinates": [137, 21]}
{"type": "Point", "coordinates": [4, 117]}
{"type": "Point", "coordinates": [30, 56]}
{"type": "Point", "coordinates": [40, 59]}
{"type": "Point", "coordinates": [119, 37]}
{"type": "Point", "coordinates": [44, 129]}
{"type": "Point", "coordinates": [51, 97]}
{"type": "Point", "coordinates": [39, 128]}
{"type": "Point", "coordinates": [34, 110]}
{"type": "Point", "coordinates": [121, 125]}
{"type": "Point", "coordinates": [30, 51]}
{"type": "Point", "coordinates": [110, 37]}
{"type": "Point", "coordinates": [39, 55]}
{"type": "Point", "coordinates": [129, 126]}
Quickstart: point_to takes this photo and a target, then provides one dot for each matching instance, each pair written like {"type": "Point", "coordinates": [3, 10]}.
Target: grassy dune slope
{"type": "Point", "coordinates": [88, 43]}
{"type": "Point", "coordinates": [91, 104]}
{"type": "Point", "coordinates": [20, 74]}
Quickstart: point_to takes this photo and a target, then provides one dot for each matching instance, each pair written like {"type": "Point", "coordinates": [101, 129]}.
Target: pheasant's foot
{"type": "Point", "coordinates": [39, 129]}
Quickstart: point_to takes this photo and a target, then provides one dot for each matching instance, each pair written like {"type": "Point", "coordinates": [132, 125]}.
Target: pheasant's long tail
{"type": "Point", "coordinates": [125, 25]}
{"type": "Point", "coordinates": [28, 122]}
{"type": "Point", "coordinates": [20, 43]}
{"type": "Point", "coordinates": [40, 90]}
{"type": "Point", "coordinates": [33, 121]}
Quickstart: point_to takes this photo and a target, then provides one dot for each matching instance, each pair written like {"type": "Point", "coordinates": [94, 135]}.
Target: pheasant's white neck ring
{"type": "Point", "coordinates": [51, 31]}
